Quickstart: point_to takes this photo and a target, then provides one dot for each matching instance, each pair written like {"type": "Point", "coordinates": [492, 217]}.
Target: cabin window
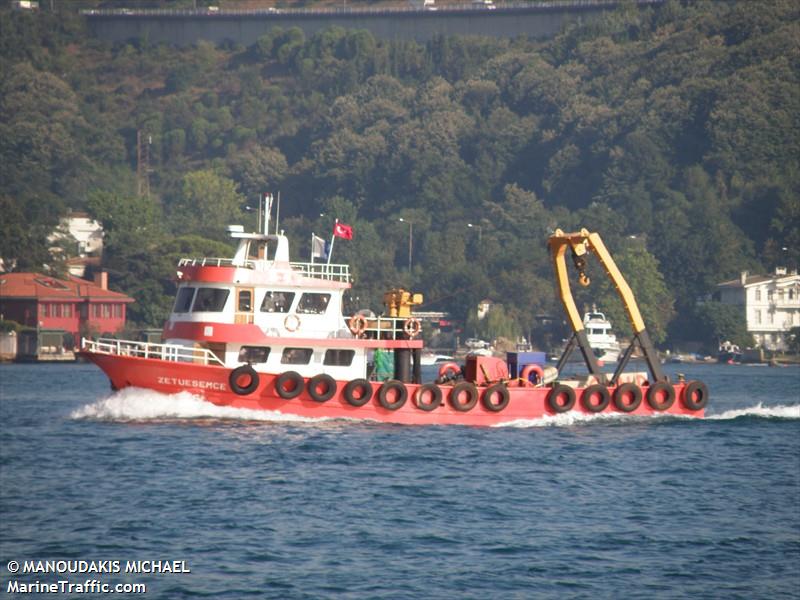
{"type": "Point", "coordinates": [314, 304]}
{"type": "Point", "coordinates": [296, 356]}
{"type": "Point", "coordinates": [254, 354]}
{"type": "Point", "coordinates": [245, 300]}
{"type": "Point", "coordinates": [183, 301]}
{"type": "Point", "coordinates": [758, 295]}
{"type": "Point", "coordinates": [277, 302]}
{"type": "Point", "coordinates": [339, 358]}
{"type": "Point", "coordinates": [210, 300]}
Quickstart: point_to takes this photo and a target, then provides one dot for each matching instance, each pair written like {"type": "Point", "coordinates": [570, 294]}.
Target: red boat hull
{"type": "Point", "coordinates": [212, 384]}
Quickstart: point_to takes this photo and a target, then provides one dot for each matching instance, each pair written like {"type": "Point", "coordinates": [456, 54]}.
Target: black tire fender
{"type": "Point", "coordinates": [464, 387]}
{"type": "Point", "coordinates": [624, 390]}
{"type": "Point", "coordinates": [398, 388]}
{"type": "Point", "coordinates": [598, 389]}
{"type": "Point", "coordinates": [295, 388]}
{"type": "Point", "coordinates": [695, 389]}
{"type": "Point", "coordinates": [325, 381]}
{"type": "Point", "coordinates": [357, 392]}
{"type": "Point", "coordinates": [428, 389]}
{"type": "Point", "coordinates": [557, 392]}
{"type": "Point", "coordinates": [499, 390]}
{"type": "Point", "coordinates": [237, 374]}
{"type": "Point", "coordinates": [657, 388]}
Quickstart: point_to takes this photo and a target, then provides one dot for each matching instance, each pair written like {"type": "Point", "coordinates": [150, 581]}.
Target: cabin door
{"type": "Point", "coordinates": [244, 306]}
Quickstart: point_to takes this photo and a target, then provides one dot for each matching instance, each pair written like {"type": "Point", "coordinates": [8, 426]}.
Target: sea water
{"type": "Point", "coordinates": [116, 489]}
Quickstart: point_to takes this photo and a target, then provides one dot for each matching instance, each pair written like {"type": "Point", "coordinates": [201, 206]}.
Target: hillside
{"type": "Point", "coordinates": [673, 131]}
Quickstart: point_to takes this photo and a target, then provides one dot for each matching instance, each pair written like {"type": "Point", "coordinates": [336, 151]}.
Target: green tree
{"type": "Point", "coordinates": [717, 323]}
{"type": "Point", "coordinates": [207, 203]}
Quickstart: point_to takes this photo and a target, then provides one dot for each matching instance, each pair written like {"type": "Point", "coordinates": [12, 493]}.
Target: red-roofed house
{"type": "Point", "coordinates": [74, 305]}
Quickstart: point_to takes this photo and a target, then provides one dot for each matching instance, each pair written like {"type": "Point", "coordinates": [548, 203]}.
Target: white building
{"type": "Point", "coordinates": [88, 235]}
{"type": "Point", "coordinates": [771, 304]}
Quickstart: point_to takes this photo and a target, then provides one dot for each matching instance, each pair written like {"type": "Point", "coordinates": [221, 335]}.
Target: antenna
{"type": "Point", "coordinates": [278, 212]}
{"type": "Point", "coordinates": [267, 211]}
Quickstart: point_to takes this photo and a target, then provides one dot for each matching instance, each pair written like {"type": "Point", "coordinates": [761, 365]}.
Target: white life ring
{"type": "Point", "coordinates": [291, 322]}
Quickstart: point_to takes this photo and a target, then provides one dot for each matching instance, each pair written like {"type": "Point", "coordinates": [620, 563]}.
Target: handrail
{"type": "Point", "coordinates": [383, 328]}
{"type": "Point", "coordinates": [168, 352]}
{"type": "Point", "coordinates": [331, 272]}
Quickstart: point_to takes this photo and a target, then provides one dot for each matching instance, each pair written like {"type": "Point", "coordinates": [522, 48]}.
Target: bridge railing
{"type": "Point", "coordinates": [445, 8]}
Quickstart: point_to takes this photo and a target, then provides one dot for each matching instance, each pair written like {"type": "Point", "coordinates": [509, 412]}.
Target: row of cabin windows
{"type": "Point", "coordinates": [214, 299]}
{"type": "Point", "coordinates": [296, 356]}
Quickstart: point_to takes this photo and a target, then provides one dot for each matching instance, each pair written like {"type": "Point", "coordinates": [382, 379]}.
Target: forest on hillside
{"type": "Point", "coordinates": [673, 131]}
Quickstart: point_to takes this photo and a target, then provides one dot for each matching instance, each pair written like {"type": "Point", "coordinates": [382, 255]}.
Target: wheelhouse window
{"type": "Point", "coordinates": [210, 300]}
{"type": "Point", "coordinates": [277, 302]}
{"type": "Point", "coordinates": [245, 300]}
{"type": "Point", "coordinates": [339, 358]}
{"type": "Point", "coordinates": [313, 304]}
{"type": "Point", "coordinates": [296, 356]}
{"type": "Point", "coordinates": [254, 354]}
{"type": "Point", "coordinates": [183, 301]}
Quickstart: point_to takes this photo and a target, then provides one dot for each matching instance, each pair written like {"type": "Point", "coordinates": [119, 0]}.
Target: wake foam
{"type": "Point", "coordinates": [134, 404]}
{"type": "Point", "coordinates": [575, 418]}
{"type": "Point", "coordinates": [759, 410]}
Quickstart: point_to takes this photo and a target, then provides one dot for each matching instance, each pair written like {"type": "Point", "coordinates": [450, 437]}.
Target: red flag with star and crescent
{"type": "Point", "coordinates": [343, 231]}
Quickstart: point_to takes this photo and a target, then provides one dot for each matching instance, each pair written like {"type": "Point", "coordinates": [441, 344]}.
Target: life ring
{"type": "Point", "coordinates": [412, 327]}
{"type": "Point", "coordinates": [401, 394]}
{"type": "Point", "coordinates": [446, 369]}
{"type": "Point", "coordinates": [654, 393]}
{"type": "Point", "coordinates": [464, 387]}
{"type": "Point", "coordinates": [357, 392]}
{"type": "Point", "coordinates": [558, 392]}
{"type": "Point", "coordinates": [291, 322]}
{"type": "Point", "coordinates": [695, 395]}
{"type": "Point", "coordinates": [527, 370]}
{"type": "Point", "coordinates": [624, 390]}
{"type": "Point", "coordinates": [324, 381]}
{"type": "Point", "coordinates": [357, 325]}
{"type": "Point", "coordinates": [599, 390]}
{"type": "Point", "coordinates": [499, 390]}
{"type": "Point", "coordinates": [295, 388]}
{"type": "Point", "coordinates": [246, 373]}
{"type": "Point", "coordinates": [430, 390]}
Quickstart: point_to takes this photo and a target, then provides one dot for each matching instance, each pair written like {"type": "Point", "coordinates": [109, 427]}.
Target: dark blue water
{"type": "Point", "coordinates": [560, 508]}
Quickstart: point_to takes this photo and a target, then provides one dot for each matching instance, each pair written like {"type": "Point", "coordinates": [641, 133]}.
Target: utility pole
{"type": "Point", "coordinates": [143, 163]}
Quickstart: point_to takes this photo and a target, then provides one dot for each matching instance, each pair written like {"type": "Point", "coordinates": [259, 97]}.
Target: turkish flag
{"type": "Point", "coordinates": [343, 231]}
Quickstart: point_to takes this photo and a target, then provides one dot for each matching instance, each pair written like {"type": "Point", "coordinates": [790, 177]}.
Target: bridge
{"type": "Point", "coordinates": [186, 27]}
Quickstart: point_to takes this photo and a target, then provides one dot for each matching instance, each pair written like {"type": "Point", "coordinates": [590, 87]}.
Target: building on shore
{"type": "Point", "coordinates": [771, 304]}
{"type": "Point", "coordinates": [55, 313]}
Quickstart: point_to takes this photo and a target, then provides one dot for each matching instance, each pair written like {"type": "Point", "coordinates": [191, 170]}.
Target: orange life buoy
{"type": "Point", "coordinates": [527, 370]}
{"type": "Point", "coordinates": [412, 327]}
{"type": "Point", "coordinates": [357, 324]}
{"type": "Point", "coordinates": [447, 368]}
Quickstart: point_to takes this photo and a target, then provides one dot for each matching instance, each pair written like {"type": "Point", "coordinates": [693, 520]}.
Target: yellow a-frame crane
{"type": "Point", "coordinates": [580, 244]}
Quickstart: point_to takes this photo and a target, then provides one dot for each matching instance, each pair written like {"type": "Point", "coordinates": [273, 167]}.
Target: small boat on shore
{"type": "Point", "coordinates": [259, 331]}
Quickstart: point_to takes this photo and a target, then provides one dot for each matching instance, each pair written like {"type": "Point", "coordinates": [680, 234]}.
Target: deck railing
{"type": "Point", "coordinates": [170, 352]}
{"type": "Point", "coordinates": [330, 272]}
